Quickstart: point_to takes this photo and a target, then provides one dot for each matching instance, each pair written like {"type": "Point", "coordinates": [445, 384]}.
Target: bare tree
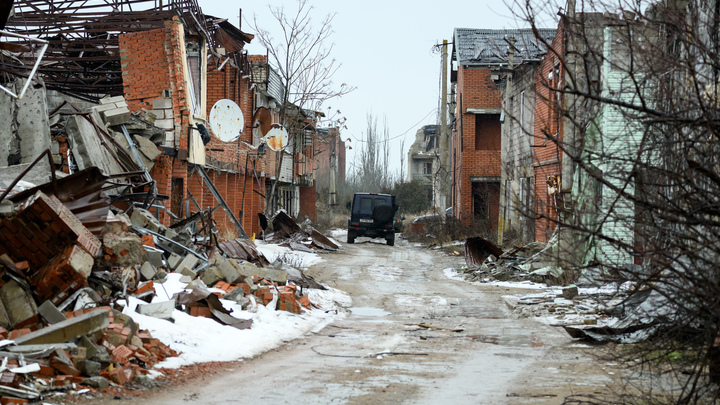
{"type": "Point", "coordinates": [631, 102]}
{"type": "Point", "coordinates": [302, 53]}
{"type": "Point", "coordinates": [371, 170]}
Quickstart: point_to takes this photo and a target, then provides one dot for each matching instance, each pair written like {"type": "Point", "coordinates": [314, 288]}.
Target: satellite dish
{"type": "Point", "coordinates": [276, 138]}
{"type": "Point", "coordinates": [226, 120]}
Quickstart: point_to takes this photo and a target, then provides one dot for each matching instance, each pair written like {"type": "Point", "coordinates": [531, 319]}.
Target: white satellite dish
{"type": "Point", "coordinates": [226, 120]}
{"type": "Point", "coordinates": [276, 138]}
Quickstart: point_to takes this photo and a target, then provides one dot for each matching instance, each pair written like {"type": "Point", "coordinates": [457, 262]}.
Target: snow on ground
{"type": "Point", "coordinates": [337, 234]}
{"type": "Point", "coordinates": [201, 339]}
{"type": "Point", "coordinates": [294, 258]}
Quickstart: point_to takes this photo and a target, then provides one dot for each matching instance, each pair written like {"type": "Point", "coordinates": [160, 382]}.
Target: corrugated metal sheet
{"type": "Point", "coordinates": [275, 87]}
{"type": "Point", "coordinates": [489, 47]}
{"type": "Point", "coordinates": [286, 169]}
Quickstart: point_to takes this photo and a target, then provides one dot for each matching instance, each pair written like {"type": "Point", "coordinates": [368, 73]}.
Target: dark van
{"type": "Point", "coordinates": [372, 215]}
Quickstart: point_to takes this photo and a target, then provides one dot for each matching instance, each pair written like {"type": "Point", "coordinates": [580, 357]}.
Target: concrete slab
{"type": "Point", "coordinates": [161, 103]}
{"type": "Point", "coordinates": [69, 329]}
{"type": "Point", "coordinates": [145, 219]}
{"type": "Point", "coordinates": [165, 123]}
{"type": "Point", "coordinates": [112, 100]}
{"type": "Point", "coordinates": [116, 116]}
{"type": "Point", "coordinates": [211, 276]}
{"type": "Point", "coordinates": [186, 271]}
{"type": "Point", "coordinates": [148, 151]}
{"type": "Point", "coordinates": [49, 312]}
{"type": "Point", "coordinates": [87, 148]}
{"type": "Point", "coordinates": [174, 261]}
{"type": "Point", "coordinates": [18, 303]}
{"type": "Point", "coordinates": [26, 130]}
{"type": "Point", "coordinates": [229, 271]}
{"type": "Point", "coordinates": [155, 257]}
{"type": "Point", "coordinates": [147, 271]}
{"type": "Point", "coordinates": [82, 262]}
{"type": "Point", "coordinates": [190, 261]}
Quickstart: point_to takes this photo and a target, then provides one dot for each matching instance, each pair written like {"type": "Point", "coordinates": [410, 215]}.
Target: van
{"type": "Point", "coordinates": [372, 215]}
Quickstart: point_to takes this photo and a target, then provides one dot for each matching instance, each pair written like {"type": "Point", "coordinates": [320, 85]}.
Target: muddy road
{"type": "Point", "coordinates": [475, 353]}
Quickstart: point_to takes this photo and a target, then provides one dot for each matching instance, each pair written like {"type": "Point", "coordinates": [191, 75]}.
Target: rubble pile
{"type": "Point", "coordinates": [289, 234]}
{"type": "Point", "coordinates": [63, 287]}
{"type": "Point", "coordinates": [487, 262]}
{"type": "Point", "coordinates": [598, 307]}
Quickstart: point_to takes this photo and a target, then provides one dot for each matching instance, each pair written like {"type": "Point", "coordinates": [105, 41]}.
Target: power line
{"type": "Point", "coordinates": [434, 110]}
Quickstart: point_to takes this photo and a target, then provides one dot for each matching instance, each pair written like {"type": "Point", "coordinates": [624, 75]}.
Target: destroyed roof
{"type": "Point", "coordinates": [83, 58]}
{"type": "Point", "coordinates": [474, 46]}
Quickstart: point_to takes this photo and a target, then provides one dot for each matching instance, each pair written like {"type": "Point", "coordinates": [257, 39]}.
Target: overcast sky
{"type": "Point", "coordinates": [386, 51]}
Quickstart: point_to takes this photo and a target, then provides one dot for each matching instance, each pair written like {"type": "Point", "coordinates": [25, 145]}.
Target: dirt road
{"type": "Point", "coordinates": [474, 353]}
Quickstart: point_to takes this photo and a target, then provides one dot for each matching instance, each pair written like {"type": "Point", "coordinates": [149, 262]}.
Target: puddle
{"type": "Point", "coordinates": [368, 311]}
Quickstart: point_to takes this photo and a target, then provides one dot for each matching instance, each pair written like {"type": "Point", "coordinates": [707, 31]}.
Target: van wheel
{"type": "Point", "coordinates": [391, 240]}
{"type": "Point", "coordinates": [351, 237]}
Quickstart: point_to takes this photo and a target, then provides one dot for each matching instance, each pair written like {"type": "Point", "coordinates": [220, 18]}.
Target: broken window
{"type": "Point", "coordinates": [427, 168]}
{"type": "Point", "coordinates": [487, 132]}
{"type": "Point", "coordinates": [195, 74]}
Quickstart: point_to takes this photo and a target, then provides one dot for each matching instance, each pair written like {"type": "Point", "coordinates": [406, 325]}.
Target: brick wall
{"type": "Point", "coordinates": [227, 84]}
{"type": "Point", "coordinates": [548, 133]}
{"type": "Point", "coordinates": [475, 89]}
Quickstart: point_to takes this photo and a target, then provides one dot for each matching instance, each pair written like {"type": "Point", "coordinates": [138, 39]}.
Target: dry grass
{"type": "Point", "coordinates": [330, 217]}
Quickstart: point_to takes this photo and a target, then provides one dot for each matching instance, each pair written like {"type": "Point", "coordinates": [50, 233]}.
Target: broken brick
{"type": "Point", "coordinates": [16, 333]}
{"type": "Point", "coordinates": [304, 301]}
{"type": "Point", "coordinates": [200, 311]}
{"type": "Point", "coordinates": [121, 354]}
{"type": "Point", "coordinates": [118, 376]}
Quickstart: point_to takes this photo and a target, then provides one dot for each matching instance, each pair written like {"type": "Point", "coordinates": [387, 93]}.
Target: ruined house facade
{"type": "Point", "coordinates": [480, 59]}
{"type": "Point", "coordinates": [167, 68]}
{"type": "Point", "coordinates": [517, 84]}
{"type": "Point", "coordinates": [476, 138]}
{"type": "Point", "coordinates": [423, 159]}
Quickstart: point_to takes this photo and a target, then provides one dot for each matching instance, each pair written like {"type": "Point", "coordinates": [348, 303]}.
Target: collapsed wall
{"type": "Point", "coordinates": [25, 134]}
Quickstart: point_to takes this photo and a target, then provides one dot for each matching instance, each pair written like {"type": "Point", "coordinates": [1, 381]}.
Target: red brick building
{"type": "Point", "coordinates": [476, 137]}
{"type": "Point", "coordinates": [161, 64]}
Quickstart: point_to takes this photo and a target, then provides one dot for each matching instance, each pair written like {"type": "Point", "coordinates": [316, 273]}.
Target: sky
{"type": "Point", "coordinates": [386, 51]}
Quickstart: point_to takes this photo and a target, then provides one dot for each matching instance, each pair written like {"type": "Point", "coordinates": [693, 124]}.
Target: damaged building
{"type": "Point", "coordinates": [423, 158]}
{"type": "Point", "coordinates": [151, 74]}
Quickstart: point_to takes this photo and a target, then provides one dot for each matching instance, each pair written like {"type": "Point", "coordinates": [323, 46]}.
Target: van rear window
{"type": "Point", "coordinates": [368, 202]}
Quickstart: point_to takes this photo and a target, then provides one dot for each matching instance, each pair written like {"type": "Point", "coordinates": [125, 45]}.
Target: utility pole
{"type": "Point", "coordinates": [443, 171]}
{"type": "Point", "coordinates": [509, 110]}
{"type": "Point", "coordinates": [567, 238]}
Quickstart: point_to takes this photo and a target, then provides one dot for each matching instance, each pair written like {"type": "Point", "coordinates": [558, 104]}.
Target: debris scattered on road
{"type": "Point", "coordinates": [70, 264]}
{"type": "Point", "coordinates": [288, 233]}
{"type": "Point", "coordinates": [428, 326]}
